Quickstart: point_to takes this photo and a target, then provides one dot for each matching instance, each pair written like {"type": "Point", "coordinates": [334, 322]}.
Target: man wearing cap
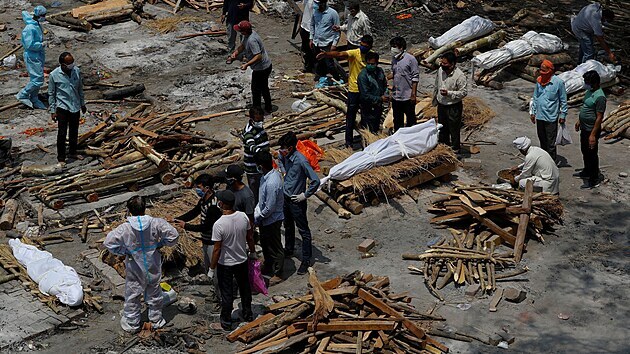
{"type": "Point", "coordinates": [234, 11]}
{"type": "Point", "coordinates": [245, 201]}
{"type": "Point", "coordinates": [232, 234]}
{"type": "Point", "coordinates": [297, 172]}
{"type": "Point", "coordinates": [549, 106]}
{"type": "Point", "coordinates": [324, 39]}
{"type": "Point", "coordinates": [34, 57]}
{"type": "Point", "coordinates": [538, 167]}
{"type": "Point", "coordinates": [269, 215]}
{"type": "Point", "coordinates": [254, 51]}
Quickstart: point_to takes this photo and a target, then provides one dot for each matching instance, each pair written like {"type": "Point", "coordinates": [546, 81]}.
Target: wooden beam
{"type": "Point", "coordinates": [521, 232]}
{"type": "Point", "coordinates": [506, 236]}
{"type": "Point", "coordinates": [460, 214]}
{"type": "Point", "coordinates": [353, 325]}
{"type": "Point", "coordinates": [233, 336]}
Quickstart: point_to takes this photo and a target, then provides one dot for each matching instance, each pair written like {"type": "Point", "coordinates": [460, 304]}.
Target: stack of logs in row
{"type": "Point", "coordinates": [87, 17]}
{"type": "Point", "coordinates": [355, 313]}
{"type": "Point", "coordinates": [617, 122]}
{"type": "Point", "coordinates": [137, 148]}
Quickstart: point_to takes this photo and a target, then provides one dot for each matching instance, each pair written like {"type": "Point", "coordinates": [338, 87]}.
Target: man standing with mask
{"type": "Point", "coordinates": [372, 89]}
{"type": "Point", "coordinates": [244, 197]}
{"type": "Point", "coordinates": [66, 102]}
{"type": "Point", "coordinates": [324, 39]}
{"type": "Point", "coordinates": [406, 74]}
{"type": "Point", "coordinates": [254, 139]}
{"type": "Point", "coordinates": [356, 63]}
{"type": "Point", "coordinates": [448, 93]}
{"type": "Point", "coordinates": [297, 172]}
{"type": "Point", "coordinates": [34, 57]}
{"type": "Point", "coordinates": [357, 26]}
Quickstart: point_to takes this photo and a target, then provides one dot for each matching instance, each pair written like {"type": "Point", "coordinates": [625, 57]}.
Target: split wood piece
{"type": "Point", "coordinates": [233, 336]}
{"type": "Point", "coordinates": [213, 115]}
{"type": "Point", "coordinates": [111, 16]}
{"type": "Point", "coordinates": [324, 304]}
{"type": "Point", "coordinates": [101, 8]}
{"type": "Point", "coordinates": [272, 324]}
{"type": "Point", "coordinates": [346, 290]}
{"type": "Point", "coordinates": [461, 214]}
{"type": "Point", "coordinates": [41, 170]}
{"type": "Point", "coordinates": [8, 215]}
{"type": "Point", "coordinates": [8, 278]}
{"type": "Point", "coordinates": [84, 229]}
{"type": "Point", "coordinates": [146, 150]}
{"type": "Point", "coordinates": [506, 236]}
{"type": "Point", "coordinates": [495, 300]}
{"type": "Point", "coordinates": [521, 232]}
{"type": "Point", "coordinates": [352, 325]}
{"type": "Point", "coordinates": [70, 23]}
{"type": "Point", "coordinates": [144, 131]}
{"type": "Point", "coordinates": [205, 33]}
{"type": "Point", "coordinates": [341, 211]}
{"type": "Point", "coordinates": [120, 93]}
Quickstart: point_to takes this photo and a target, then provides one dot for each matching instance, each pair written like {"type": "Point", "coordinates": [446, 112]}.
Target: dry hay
{"type": "Point", "coordinates": [476, 113]}
{"type": "Point", "coordinates": [169, 24]}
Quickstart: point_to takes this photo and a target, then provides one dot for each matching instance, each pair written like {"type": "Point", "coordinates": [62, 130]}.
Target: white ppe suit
{"type": "Point", "coordinates": [139, 239]}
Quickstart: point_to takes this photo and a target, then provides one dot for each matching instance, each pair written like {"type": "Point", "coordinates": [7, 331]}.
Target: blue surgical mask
{"type": "Point", "coordinates": [370, 67]}
{"type": "Point", "coordinates": [364, 49]}
{"type": "Point", "coordinates": [588, 87]}
{"type": "Point", "coordinates": [200, 192]}
{"type": "Point", "coordinates": [259, 169]}
{"type": "Point", "coordinates": [315, 6]}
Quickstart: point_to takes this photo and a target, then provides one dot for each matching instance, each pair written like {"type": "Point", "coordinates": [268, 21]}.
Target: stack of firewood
{"type": "Point", "coordinates": [355, 313]}
{"type": "Point", "coordinates": [618, 122]}
{"type": "Point", "coordinates": [137, 148]}
{"type": "Point", "coordinates": [87, 17]}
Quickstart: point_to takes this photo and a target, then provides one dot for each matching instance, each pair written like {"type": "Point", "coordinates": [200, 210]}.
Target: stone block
{"type": "Point", "coordinates": [507, 337]}
{"type": "Point", "coordinates": [472, 290]}
{"type": "Point", "coordinates": [471, 163]}
{"type": "Point", "coordinates": [366, 245]}
{"type": "Point", "coordinates": [514, 295]}
{"type": "Point", "coordinates": [495, 339]}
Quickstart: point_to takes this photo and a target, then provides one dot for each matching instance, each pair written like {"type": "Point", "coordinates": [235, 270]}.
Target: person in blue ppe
{"type": "Point", "coordinates": [34, 57]}
{"type": "Point", "coordinates": [139, 239]}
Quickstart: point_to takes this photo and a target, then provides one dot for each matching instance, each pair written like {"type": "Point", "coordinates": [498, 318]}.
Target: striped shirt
{"type": "Point", "coordinates": [254, 140]}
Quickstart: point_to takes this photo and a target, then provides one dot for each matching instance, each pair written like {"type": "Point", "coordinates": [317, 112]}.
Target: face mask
{"type": "Point", "coordinates": [259, 169]}
{"type": "Point", "coordinates": [364, 49]}
{"type": "Point", "coordinates": [257, 124]}
{"type": "Point", "coordinates": [230, 181]}
{"type": "Point", "coordinates": [588, 87]}
{"type": "Point", "coordinates": [315, 6]}
{"type": "Point", "coordinates": [284, 152]}
{"type": "Point", "coordinates": [200, 192]}
{"type": "Point", "coordinates": [370, 67]}
{"type": "Point", "coordinates": [395, 51]}
{"type": "Point", "coordinates": [41, 19]}
{"type": "Point", "coordinates": [446, 67]}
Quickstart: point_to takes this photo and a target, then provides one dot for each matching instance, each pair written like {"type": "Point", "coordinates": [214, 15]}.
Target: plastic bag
{"type": "Point", "coordinates": [574, 82]}
{"type": "Point", "coordinates": [256, 281]}
{"type": "Point", "coordinates": [300, 105]}
{"type": "Point", "coordinates": [10, 61]}
{"type": "Point", "coordinates": [312, 152]}
{"type": "Point", "coordinates": [564, 136]}
{"type": "Point", "coordinates": [470, 28]}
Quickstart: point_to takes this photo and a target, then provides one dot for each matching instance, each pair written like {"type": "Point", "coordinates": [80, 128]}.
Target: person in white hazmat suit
{"type": "Point", "coordinates": [538, 167]}
{"type": "Point", "coordinates": [139, 239]}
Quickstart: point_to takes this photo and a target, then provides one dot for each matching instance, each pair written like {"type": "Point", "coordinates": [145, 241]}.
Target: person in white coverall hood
{"type": "Point", "coordinates": [139, 240]}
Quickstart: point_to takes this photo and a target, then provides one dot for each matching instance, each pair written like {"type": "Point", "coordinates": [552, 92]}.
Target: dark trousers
{"type": "Point", "coordinates": [329, 65]}
{"type": "Point", "coordinates": [451, 118]}
{"type": "Point", "coordinates": [271, 243]}
{"type": "Point", "coordinates": [351, 116]}
{"type": "Point", "coordinates": [590, 157]}
{"type": "Point", "coordinates": [547, 132]}
{"type": "Point", "coordinates": [400, 109]}
{"type": "Point", "coordinates": [226, 276]}
{"type": "Point", "coordinates": [371, 116]}
{"type": "Point", "coordinates": [260, 87]}
{"type": "Point", "coordinates": [253, 181]}
{"type": "Point", "coordinates": [5, 151]}
{"type": "Point", "coordinates": [67, 121]}
{"type": "Point", "coordinates": [307, 52]}
{"type": "Point", "coordinates": [295, 214]}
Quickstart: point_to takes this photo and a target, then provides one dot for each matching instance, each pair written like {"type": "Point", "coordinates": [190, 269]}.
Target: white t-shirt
{"type": "Point", "coordinates": [231, 230]}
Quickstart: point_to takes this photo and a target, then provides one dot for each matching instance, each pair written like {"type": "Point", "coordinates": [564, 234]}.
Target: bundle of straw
{"type": "Point", "coordinates": [476, 113]}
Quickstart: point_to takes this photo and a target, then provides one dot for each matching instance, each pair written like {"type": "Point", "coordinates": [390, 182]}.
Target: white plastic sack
{"type": "Point", "coordinates": [546, 43]}
{"type": "Point", "coordinates": [52, 276]}
{"type": "Point", "coordinates": [564, 135]}
{"type": "Point", "coordinates": [519, 48]}
{"type": "Point", "coordinates": [530, 43]}
{"type": "Point", "coordinates": [473, 27]}
{"type": "Point", "coordinates": [492, 58]}
{"type": "Point", "coordinates": [10, 61]}
{"type": "Point", "coordinates": [406, 142]}
{"type": "Point", "coordinates": [574, 82]}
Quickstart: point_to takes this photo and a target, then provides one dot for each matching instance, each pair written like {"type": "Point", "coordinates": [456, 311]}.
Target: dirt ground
{"type": "Point", "coordinates": [581, 269]}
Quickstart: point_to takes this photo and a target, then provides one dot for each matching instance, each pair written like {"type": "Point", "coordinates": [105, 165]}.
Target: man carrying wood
{"type": "Point", "coordinates": [254, 52]}
{"type": "Point", "coordinates": [234, 11]}
{"type": "Point", "coordinates": [588, 23]}
{"type": "Point", "coordinates": [139, 239]}
{"type": "Point", "coordinates": [356, 63]}
{"type": "Point", "coordinates": [538, 167]}
{"type": "Point", "coordinates": [372, 90]}
{"type": "Point", "coordinates": [232, 234]}
{"type": "Point", "coordinates": [297, 172]}
{"type": "Point", "coordinates": [34, 57]}
{"type": "Point", "coordinates": [254, 139]}
{"type": "Point", "coordinates": [356, 26]}
{"type": "Point", "coordinates": [450, 89]}
{"type": "Point", "coordinates": [406, 74]}
{"type": "Point", "coordinates": [268, 215]}
{"type": "Point", "coordinates": [66, 102]}
{"type": "Point", "coordinates": [549, 106]}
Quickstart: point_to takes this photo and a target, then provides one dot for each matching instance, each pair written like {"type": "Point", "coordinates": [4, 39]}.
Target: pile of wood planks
{"type": "Point", "coordinates": [354, 313]}
{"type": "Point", "coordinates": [137, 148]}
{"type": "Point", "coordinates": [506, 216]}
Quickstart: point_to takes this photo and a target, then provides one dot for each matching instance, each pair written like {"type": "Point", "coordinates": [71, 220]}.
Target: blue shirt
{"type": "Point", "coordinates": [270, 200]}
{"type": "Point", "coordinates": [550, 101]}
{"type": "Point", "coordinates": [297, 171]}
{"type": "Point", "coordinates": [322, 33]}
{"type": "Point", "coordinates": [65, 92]}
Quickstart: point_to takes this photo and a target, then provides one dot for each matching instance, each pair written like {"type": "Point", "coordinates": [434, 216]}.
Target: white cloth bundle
{"type": "Point", "coordinates": [470, 28]}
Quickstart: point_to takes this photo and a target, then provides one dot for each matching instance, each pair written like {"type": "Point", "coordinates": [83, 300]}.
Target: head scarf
{"type": "Point", "coordinates": [39, 11]}
{"type": "Point", "coordinates": [546, 72]}
{"type": "Point", "coordinates": [522, 143]}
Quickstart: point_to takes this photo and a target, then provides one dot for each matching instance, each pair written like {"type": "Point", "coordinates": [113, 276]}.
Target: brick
{"type": "Point", "coordinates": [514, 295]}
{"type": "Point", "coordinates": [366, 245]}
{"type": "Point", "coordinates": [471, 163]}
{"type": "Point", "coordinates": [507, 337]}
{"type": "Point", "coordinates": [472, 290]}
{"type": "Point", "coordinates": [495, 339]}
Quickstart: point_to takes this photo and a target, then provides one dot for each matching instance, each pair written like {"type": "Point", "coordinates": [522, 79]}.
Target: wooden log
{"type": "Point", "coordinates": [324, 304]}
{"type": "Point", "coordinates": [120, 93]}
{"type": "Point", "coordinates": [41, 170]}
{"type": "Point", "coordinates": [333, 102]}
{"type": "Point", "coordinates": [100, 8]}
{"type": "Point", "coordinates": [111, 16]}
{"type": "Point", "coordinates": [205, 33]}
{"type": "Point", "coordinates": [213, 115]}
{"type": "Point", "coordinates": [233, 336]}
{"type": "Point", "coordinates": [271, 325]}
{"type": "Point", "coordinates": [158, 159]}
{"type": "Point", "coordinates": [429, 62]}
{"type": "Point", "coordinates": [557, 59]}
{"type": "Point", "coordinates": [492, 39]}
{"type": "Point", "coordinates": [84, 229]}
{"type": "Point", "coordinates": [8, 215]}
{"type": "Point", "coordinates": [352, 325]}
{"type": "Point", "coordinates": [341, 212]}
{"type": "Point", "coordinates": [506, 236]}
{"type": "Point", "coordinates": [71, 23]}
{"type": "Point", "coordinates": [521, 232]}
{"type": "Point", "coordinates": [496, 298]}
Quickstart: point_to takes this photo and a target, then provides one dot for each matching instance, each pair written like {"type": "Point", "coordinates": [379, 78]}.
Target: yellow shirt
{"type": "Point", "coordinates": [356, 63]}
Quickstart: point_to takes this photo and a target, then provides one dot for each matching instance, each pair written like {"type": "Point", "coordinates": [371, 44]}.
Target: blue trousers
{"type": "Point", "coordinates": [295, 214]}
{"type": "Point", "coordinates": [351, 116]}
{"type": "Point", "coordinates": [587, 49]}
